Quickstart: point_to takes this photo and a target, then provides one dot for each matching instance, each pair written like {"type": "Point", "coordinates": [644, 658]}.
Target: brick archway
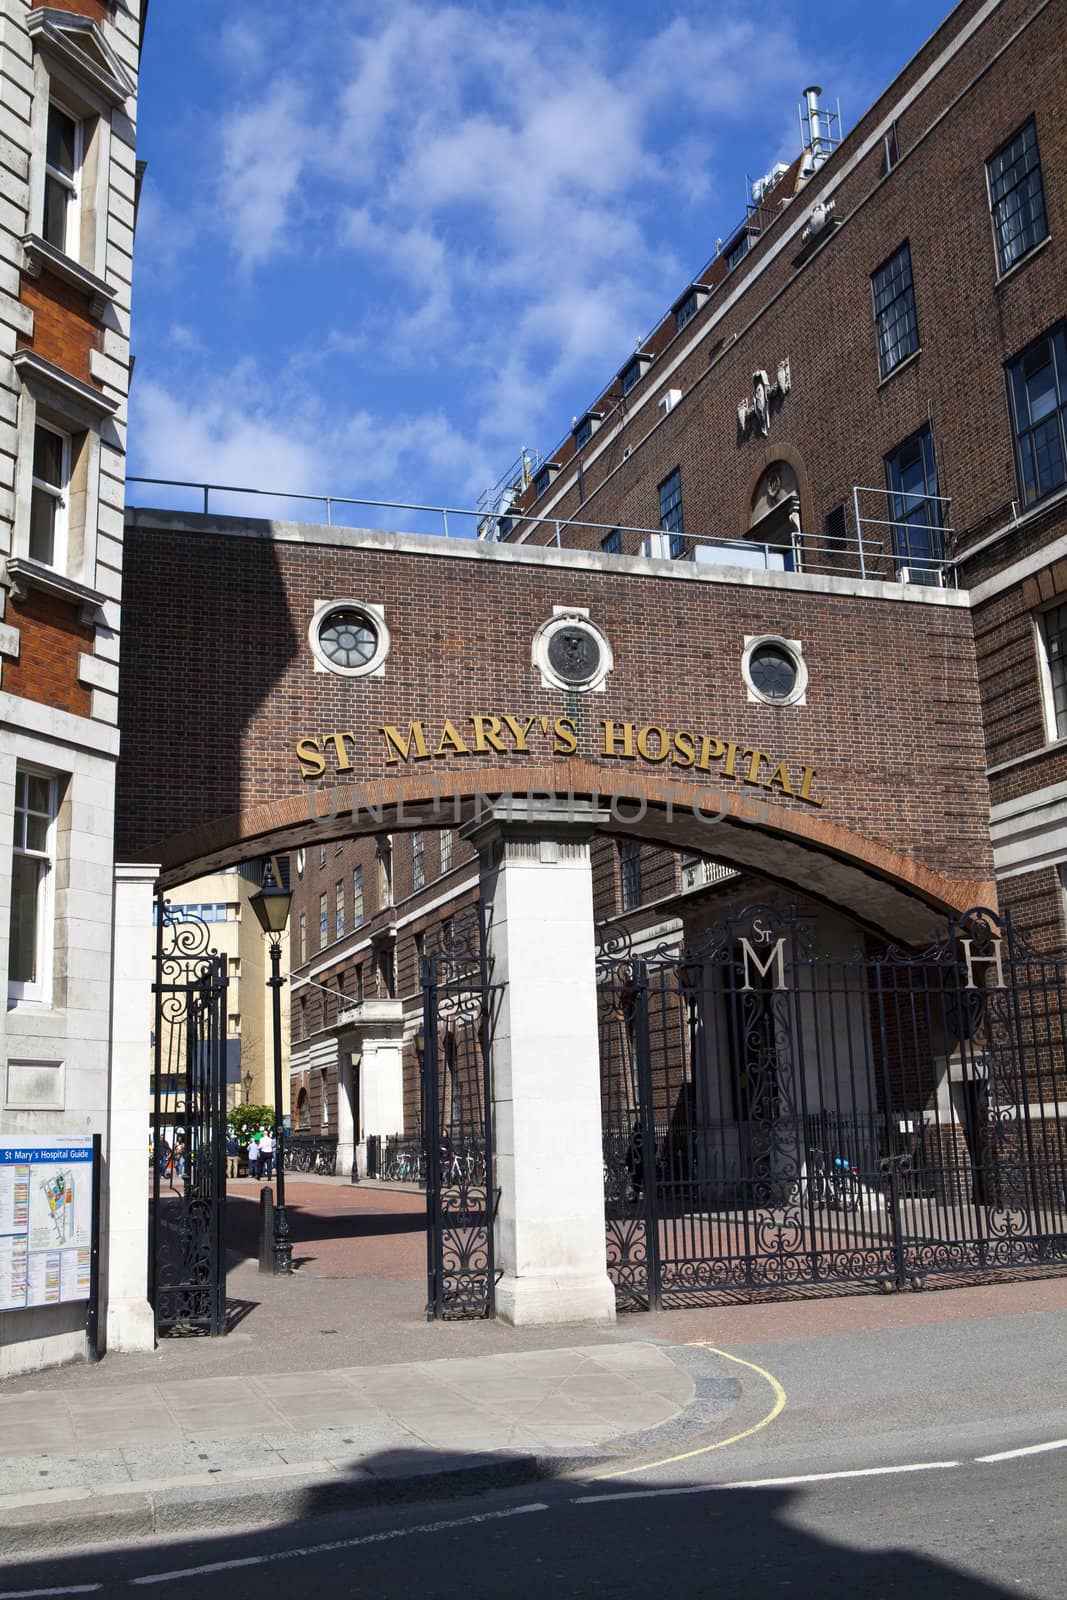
{"type": "Point", "coordinates": [222, 695]}
{"type": "Point", "coordinates": [879, 887]}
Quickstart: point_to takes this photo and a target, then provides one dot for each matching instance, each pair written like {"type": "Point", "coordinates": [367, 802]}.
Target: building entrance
{"type": "Point", "coordinates": [778, 1115]}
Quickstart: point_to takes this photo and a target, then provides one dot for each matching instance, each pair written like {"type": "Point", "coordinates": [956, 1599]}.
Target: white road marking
{"type": "Point", "coordinates": [1013, 1455]}
{"type": "Point", "coordinates": [324, 1549]}
{"type": "Point", "coordinates": [39, 1594]}
{"type": "Point", "coordinates": [769, 1483]}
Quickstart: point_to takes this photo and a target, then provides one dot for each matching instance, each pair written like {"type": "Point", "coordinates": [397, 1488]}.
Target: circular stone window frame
{"type": "Point", "coordinates": [568, 617]}
{"type": "Point", "coordinates": [375, 617]}
{"type": "Point", "coordinates": [794, 649]}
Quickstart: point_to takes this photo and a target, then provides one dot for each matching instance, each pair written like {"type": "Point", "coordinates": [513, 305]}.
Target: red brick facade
{"type": "Point", "coordinates": [50, 640]}
{"type": "Point", "coordinates": [63, 331]}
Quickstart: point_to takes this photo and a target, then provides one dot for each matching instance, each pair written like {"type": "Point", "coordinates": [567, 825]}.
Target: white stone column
{"type": "Point", "coordinates": [537, 887]}
{"type": "Point", "coordinates": [129, 1323]}
{"type": "Point", "coordinates": [346, 1113]}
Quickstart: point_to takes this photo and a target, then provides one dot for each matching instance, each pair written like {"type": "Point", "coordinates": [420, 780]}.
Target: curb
{"type": "Point", "coordinates": [43, 1521]}
{"type": "Point", "coordinates": [84, 1518]}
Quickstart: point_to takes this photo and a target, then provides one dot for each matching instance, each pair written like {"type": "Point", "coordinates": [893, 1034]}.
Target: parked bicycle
{"type": "Point", "coordinates": [834, 1181]}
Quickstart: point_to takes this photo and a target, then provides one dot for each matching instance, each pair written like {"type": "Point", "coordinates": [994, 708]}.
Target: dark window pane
{"type": "Point", "coordinates": [1037, 383]}
{"type": "Point", "coordinates": [612, 544]}
{"type": "Point", "coordinates": [915, 510]}
{"type": "Point", "coordinates": [1017, 197]}
{"type": "Point", "coordinates": [26, 876]}
{"type": "Point", "coordinates": [42, 527]}
{"type": "Point", "coordinates": [1055, 624]}
{"type": "Point", "coordinates": [62, 141]}
{"type": "Point", "coordinates": [670, 505]}
{"type": "Point", "coordinates": [48, 457]}
{"type": "Point", "coordinates": [894, 311]}
{"type": "Point", "coordinates": [56, 200]}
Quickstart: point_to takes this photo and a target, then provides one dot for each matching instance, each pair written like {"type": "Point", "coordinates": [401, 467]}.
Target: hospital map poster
{"type": "Point", "coordinates": [46, 1221]}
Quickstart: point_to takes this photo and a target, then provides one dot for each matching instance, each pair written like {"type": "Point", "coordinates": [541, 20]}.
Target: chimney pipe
{"type": "Point", "coordinates": [811, 96]}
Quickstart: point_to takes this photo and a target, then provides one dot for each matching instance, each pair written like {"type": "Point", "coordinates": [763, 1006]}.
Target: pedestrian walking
{"type": "Point", "coordinates": [266, 1155]}
{"type": "Point", "coordinates": [233, 1152]}
{"type": "Point", "coordinates": [179, 1154]}
{"type": "Point", "coordinates": [253, 1156]}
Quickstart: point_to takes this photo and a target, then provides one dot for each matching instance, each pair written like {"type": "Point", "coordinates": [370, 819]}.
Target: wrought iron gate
{"type": "Point", "coordinates": [187, 1270]}
{"type": "Point", "coordinates": [779, 1115]}
{"type": "Point", "coordinates": [457, 1119]}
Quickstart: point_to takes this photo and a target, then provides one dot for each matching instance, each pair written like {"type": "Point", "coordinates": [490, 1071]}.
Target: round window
{"type": "Point", "coordinates": [349, 638]}
{"type": "Point", "coordinates": [774, 670]}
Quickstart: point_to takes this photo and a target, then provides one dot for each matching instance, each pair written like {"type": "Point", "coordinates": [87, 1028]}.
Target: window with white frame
{"type": "Point", "coordinates": [1052, 642]}
{"type": "Point", "coordinates": [418, 860]}
{"type": "Point", "coordinates": [64, 149]}
{"type": "Point", "coordinates": [339, 909]}
{"type": "Point", "coordinates": [446, 850]}
{"type": "Point", "coordinates": [29, 972]}
{"type": "Point", "coordinates": [357, 897]}
{"type": "Point", "coordinates": [49, 496]}
{"type": "Point", "coordinates": [303, 936]}
{"type": "Point", "coordinates": [324, 921]}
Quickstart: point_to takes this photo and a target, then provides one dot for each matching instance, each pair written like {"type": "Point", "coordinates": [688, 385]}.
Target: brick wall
{"type": "Point", "coordinates": [97, 10]}
{"type": "Point", "coordinates": [63, 331]}
{"type": "Point", "coordinates": [50, 641]}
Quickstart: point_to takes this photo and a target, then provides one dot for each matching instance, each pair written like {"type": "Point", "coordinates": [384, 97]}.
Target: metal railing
{"type": "Point", "coordinates": [888, 548]}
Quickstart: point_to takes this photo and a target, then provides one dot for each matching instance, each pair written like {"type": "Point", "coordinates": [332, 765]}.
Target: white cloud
{"type": "Point", "coordinates": [497, 198]}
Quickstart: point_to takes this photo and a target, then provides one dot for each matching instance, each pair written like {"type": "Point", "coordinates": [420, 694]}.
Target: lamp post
{"type": "Point", "coordinates": [271, 905]}
{"type": "Point", "coordinates": [247, 1081]}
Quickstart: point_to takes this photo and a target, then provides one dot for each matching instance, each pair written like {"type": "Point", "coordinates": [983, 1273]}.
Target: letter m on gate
{"type": "Point", "coordinates": [775, 959]}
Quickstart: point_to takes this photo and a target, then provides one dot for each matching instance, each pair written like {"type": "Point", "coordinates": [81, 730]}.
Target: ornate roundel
{"type": "Point", "coordinates": [572, 652]}
{"type": "Point", "coordinates": [349, 637]}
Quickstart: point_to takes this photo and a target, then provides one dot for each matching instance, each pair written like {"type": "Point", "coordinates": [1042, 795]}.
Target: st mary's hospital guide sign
{"type": "Point", "coordinates": [45, 1222]}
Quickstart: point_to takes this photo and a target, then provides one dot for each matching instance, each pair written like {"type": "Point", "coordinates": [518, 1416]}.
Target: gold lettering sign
{"type": "Point", "coordinates": [486, 734]}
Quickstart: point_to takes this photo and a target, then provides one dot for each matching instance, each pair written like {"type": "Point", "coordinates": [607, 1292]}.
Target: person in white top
{"type": "Point", "coordinates": [266, 1155]}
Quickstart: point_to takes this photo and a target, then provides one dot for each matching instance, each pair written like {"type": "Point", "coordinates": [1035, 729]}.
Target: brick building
{"type": "Point", "coordinates": [834, 394]}
{"type": "Point", "coordinates": [68, 94]}
{"type": "Point", "coordinates": [779, 620]}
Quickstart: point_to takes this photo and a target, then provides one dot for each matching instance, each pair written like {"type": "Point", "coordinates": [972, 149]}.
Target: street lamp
{"type": "Point", "coordinates": [271, 906]}
{"type": "Point", "coordinates": [247, 1081]}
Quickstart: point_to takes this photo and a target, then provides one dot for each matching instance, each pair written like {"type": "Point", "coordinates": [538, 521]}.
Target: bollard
{"type": "Point", "coordinates": [266, 1229]}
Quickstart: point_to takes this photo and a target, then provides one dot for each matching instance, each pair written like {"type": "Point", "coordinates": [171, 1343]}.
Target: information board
{"type": "Point", "coordinates": [46, 1222]}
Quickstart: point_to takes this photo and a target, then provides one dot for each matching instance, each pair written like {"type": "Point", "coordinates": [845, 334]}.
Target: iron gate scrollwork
{"type": "Point", "coordinates": [778, 1114]}
{"type": "Point", "coordinates": [187, 1272]}
{"type": "Point", "coordinates": [457, 1119]}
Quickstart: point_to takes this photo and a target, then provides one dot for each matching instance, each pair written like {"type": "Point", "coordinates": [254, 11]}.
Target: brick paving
{"type": "Point", "coordinates": [338, 1229]}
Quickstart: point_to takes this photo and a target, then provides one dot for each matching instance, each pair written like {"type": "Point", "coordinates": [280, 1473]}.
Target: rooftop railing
{"type": "Point", "coordinates": [905, 546]}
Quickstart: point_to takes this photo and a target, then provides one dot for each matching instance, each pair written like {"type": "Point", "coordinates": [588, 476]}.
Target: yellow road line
{"type": "Point", "coordinates": [687, 1455]}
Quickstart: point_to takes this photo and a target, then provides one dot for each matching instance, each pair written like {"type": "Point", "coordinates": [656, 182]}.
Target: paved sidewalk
{"type": "Point", "coordinates": [81, 1465]}
{"type": "Point", "coordinates": [333, 1391]}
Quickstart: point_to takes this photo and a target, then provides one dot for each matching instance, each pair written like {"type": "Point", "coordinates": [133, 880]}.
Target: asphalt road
{"type": "Point", "coordinates": [974, 1532]}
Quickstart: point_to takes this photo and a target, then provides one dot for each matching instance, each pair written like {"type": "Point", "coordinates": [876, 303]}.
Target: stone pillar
{"type": "Point", "coordinates": [536, 884]}
{"type": "Point", "coordinates": [130, 1324]}
{"type": "Point", "coordinates": [347, 1113]}
{"type": "Point", "coordinates": [374, 1030]}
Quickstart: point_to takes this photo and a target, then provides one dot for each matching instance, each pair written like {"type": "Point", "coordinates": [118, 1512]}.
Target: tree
{"type": "Point", "coordinates": [244, 1121]}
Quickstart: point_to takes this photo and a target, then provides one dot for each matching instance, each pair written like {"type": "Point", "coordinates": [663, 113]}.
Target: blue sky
{"type": "Point", "coordinates": [381, 248]}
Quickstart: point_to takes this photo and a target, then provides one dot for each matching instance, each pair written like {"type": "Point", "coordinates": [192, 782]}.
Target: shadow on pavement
{"type": "Point", "coordinates": [563, 1536]}
{"type": "Point", "coordinates": [309, 1226]}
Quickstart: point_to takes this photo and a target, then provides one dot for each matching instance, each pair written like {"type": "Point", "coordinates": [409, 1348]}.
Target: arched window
{"type": "Point", "coordinates": [303, 1111]}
